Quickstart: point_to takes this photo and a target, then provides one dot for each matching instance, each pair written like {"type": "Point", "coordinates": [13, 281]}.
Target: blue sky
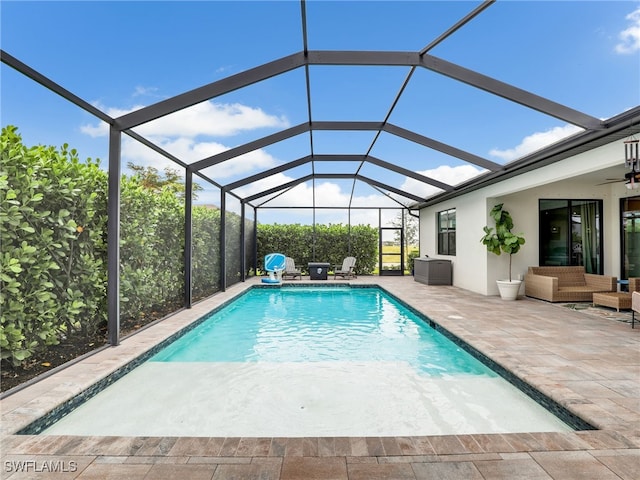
{"type": "Point", "coordinates": [122, 55]}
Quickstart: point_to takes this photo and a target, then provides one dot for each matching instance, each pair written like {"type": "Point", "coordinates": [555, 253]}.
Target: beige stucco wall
{"type": "Point", "coordinates": [477, 270]}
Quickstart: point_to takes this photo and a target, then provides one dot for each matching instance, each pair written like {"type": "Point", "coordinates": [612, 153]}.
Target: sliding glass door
{"type": "Point", "coordinates": [630, 221]}
{"type": "Point", "coordinates": [571, 233]}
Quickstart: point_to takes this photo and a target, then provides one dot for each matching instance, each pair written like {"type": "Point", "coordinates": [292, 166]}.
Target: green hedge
{"type": "Point", "coordinates": [53, 209]}
{"type": "Point", "coordinates": [53, 214]}
{"type": "Point", "coordinates": [332, 244]}
{"type": "Point", "coordinates": [151, 251]}
{"type": "Point", "coordinates": [205, 269]}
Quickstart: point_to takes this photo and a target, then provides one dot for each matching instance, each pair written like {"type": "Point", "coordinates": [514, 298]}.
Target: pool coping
{"type": "Point", "coordinates": [619, 428]}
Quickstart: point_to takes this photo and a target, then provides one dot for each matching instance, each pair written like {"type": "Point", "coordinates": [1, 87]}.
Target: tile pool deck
{"type": "Point", "coordinates": [588, 364]}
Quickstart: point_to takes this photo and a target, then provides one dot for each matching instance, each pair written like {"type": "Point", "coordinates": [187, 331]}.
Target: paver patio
{"type": "Point", "coordinates": [588, 364]}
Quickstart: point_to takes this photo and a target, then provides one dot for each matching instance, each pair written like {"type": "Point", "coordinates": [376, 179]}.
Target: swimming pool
{"type": "Point", "coordinates": [310, 362]}
{"type": "Point", "coordinates": [321, 324]}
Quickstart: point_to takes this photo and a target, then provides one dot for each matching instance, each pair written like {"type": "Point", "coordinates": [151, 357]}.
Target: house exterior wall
{"type": "Point", "coordinates": [476, 269]}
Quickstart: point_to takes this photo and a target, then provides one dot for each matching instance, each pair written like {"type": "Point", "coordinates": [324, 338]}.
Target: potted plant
{"type": "Point", "coordinates": [503, 240]}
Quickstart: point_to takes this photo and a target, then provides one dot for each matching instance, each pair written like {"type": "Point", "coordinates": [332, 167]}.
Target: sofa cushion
{"type": "Point", "coordinates": [579, 288]}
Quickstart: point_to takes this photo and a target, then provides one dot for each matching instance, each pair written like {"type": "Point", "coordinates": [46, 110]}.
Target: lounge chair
{"type": "Point", "coordinates": [290, 269]}
{"type": "Point", "coordinates": [274, 266]}
{"type": "Point", "coordinates": [345, 271]}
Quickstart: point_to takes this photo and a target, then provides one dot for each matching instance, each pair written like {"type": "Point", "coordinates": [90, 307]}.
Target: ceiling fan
{"type": "Point", "coordinates": [632, 160]}
{"type": "Point", "coordinates": [630, 178]}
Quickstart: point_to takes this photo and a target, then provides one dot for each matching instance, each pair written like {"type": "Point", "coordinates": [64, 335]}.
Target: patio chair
{"type": "Point", "coordinates": [290, 269]}
{"type": "Point", "coordinates": [345, 271]}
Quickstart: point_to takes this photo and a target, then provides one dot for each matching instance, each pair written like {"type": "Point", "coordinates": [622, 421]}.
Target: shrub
{"type": "Point", "coordinates": [151, 249]}
{"type": "Point", "coordinates": [206, 251]}
{"type": "Point", "coordinates": [326, 243]}
{"type": "Point", "coordinates": [53, 258]}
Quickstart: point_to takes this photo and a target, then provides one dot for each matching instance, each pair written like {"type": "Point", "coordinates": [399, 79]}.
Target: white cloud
{"type": "Point", "coordinates": [181, 135]}
{"type": "Point", "coordinates": [445, 174]}
{"type": "Point", "coordinates": [249, 163]}
{"type": "Point", "coordinates": [101, 129]}
{"type": "Point", "coordinates": [534, 142]}
{"type": "Point", "coordinates": [299, 196]}
{"type": "Point", "coordinates": [138, 154]}
{"type": "Point", "coordinates": [379, 200]}
{"type": "Point", "coordinates": [369, 216]}
{"type": "Point", "coordinates": [325, 216]}
{"type": "Point", "coordinates": [95, 130]}
{"type": "Point", "coordinates": [212, 119]}
{"type": "Point", "coordinates": [630, 37]}
{"type": "Point", "coordinates": [183, 148]}
{"type": "Point", "coordinates": [189, 151]}
{"type": "Point", "coordinates": [328, 194]}
{"type": "Point", "coordinates": [204, 119]}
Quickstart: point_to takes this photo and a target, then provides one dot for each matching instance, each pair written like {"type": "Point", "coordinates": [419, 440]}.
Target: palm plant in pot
{"type": "Point", "coordinates": [503, 240]}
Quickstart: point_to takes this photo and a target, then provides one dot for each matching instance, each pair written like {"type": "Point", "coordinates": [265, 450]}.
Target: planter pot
{"type": "Point", "coordinates": [509, 289]}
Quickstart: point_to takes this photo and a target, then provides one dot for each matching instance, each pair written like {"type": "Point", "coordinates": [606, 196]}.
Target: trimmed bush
{"type": "Point", "coordinates": [325, 243]}
{"type": "Point", "coordinates": [206, 251]}
{"type": "Point", "coordinates": [53, 261]}
{"type": "Point", "coordinates": [151, 250]}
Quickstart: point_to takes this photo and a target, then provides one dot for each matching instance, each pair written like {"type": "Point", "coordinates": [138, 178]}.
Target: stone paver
{"type": "Point", "coordinates": [376, 471]}
{"type": "Point", "coordinates": [314, 468]}
{"type": "Point", "coordinates": [588, 364]}
{"type": "Point", "coordinates": [179, 472]}
{"type": "Point", "coordinates": [447, 471]}
{"type": "Point", "coordinates": [625, 466]}
{"type": "Point", "coordinates": [522, 469]}
{"type": "Point", "coordinates": [573, 466]}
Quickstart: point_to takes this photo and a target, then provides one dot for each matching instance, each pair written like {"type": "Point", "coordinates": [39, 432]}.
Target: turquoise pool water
{"type": "Point", "coordinates": [321, 324]}
{"type": "Point", "coordinates": [309, 362]}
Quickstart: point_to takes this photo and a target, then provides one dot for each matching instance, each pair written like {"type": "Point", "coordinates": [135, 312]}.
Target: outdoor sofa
{"type": "Point", "coordinates": [566, 284]}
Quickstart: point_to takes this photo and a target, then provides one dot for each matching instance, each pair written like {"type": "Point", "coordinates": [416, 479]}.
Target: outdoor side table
{"type": "Point", "coordinates": [318, 270]}
{"type": "Point", "coordinates": [617, 300]}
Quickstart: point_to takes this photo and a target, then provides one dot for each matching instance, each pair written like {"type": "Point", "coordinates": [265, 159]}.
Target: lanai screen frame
{"type": "Point", "coordinates": [596, 132]}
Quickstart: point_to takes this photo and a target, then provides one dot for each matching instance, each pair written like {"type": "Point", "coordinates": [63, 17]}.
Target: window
{"type": "Point", "coordinates": [571, 233]}
{"type": "Point", "coordinates": [447, 232]}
